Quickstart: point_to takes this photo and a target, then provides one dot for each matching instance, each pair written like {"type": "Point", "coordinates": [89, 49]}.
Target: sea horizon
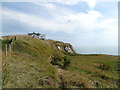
{"type": "Point", "coordinates": [97, 50]}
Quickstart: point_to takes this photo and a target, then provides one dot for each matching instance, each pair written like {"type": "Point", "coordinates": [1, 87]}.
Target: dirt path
{"type": "Point", "coordinates": [60, 77]}
{"type": "Point", "coordinates": [59, 70]}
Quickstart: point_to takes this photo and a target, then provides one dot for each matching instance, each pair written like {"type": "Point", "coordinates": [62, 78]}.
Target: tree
{"type": "Point", "coordinates": [66, 62]}
{"type": "Point", "coordinates": [38, 34]}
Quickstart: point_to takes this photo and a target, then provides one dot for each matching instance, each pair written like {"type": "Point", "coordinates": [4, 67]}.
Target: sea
{"type": "Point", "coordinates": [109, 50]}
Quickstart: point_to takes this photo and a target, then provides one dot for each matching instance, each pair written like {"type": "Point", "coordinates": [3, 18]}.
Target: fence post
{"type": "Point", "coordinates": [10, 49]}
{"type": "Point", "coordinates": [6, 47]}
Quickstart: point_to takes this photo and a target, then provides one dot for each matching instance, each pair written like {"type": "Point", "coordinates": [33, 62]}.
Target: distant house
{"type": "Point", "coordinates": [43, 37]}
{"type": "Point", "coordinates": [37, 35]}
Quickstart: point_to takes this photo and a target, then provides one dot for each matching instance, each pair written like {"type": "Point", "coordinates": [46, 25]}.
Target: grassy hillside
{"type": "Point", "coordinates": [28, 65]}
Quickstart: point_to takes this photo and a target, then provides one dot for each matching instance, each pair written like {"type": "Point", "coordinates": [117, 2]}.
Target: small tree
{"type": "Point", "coordinates": [66, 62]}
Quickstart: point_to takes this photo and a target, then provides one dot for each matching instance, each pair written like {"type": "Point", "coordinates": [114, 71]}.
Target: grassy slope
{"type": "Point", "coordinates": [29, 63]}
{"type": "Point", "coordinates": [89, 68]}
{"type": "Point", "coordinates": [29, 66]}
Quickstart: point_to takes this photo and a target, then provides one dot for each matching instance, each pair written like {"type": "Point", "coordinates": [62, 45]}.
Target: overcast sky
{"type": "Point", "coordinates": [87, 23]}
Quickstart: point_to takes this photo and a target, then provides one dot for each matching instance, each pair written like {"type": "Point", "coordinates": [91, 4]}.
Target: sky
{"type": "Point", "coordinates": [83, 23]}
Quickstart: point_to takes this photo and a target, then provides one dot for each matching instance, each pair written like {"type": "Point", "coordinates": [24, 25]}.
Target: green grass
{"type": "Point", "coordinates": [29, 62]}
{"type": "Point", "coordinates": [88, 66]}
{"type": "Point", "coordinates": [29, 66]}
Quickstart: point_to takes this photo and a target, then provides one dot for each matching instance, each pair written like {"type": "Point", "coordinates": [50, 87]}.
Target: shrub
{"type": "Point", "coordinates": [63, 62]}
{"type": "Point", "coordinates": [55, 59]}
{"type": "Point", "coordinates": [66, 62]}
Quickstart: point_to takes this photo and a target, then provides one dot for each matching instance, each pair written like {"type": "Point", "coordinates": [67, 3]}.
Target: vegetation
{"type": "Point", "coordinates": [63, 62]}
{"type": "Point", "coordinates": [36, 63]}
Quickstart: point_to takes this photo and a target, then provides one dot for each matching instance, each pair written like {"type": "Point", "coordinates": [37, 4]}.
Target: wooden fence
{"type": "Point", "coordinates": [7, 54]}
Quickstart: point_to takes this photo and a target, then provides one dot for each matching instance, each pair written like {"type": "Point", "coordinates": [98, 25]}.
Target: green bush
{"type": "Point", "coordinates": [55, 59]}
{"type": "Point", "coordinates": [63, 62]}
{"type": "Point", "coordinates": [3, 43]}
{"type": "Point", "coordinates": [66, 62]}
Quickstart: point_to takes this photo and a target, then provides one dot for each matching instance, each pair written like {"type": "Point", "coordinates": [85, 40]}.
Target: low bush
{"type": "Point", "coordinates": [66, 62]}
{"type": "Point", "coordinates": [63, 62]}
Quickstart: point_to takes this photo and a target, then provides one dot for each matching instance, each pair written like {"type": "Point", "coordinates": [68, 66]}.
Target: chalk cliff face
{"type": "Point", "coordinates": [65, 47]}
